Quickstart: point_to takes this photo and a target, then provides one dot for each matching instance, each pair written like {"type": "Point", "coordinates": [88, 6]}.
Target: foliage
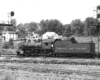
{"type": "Point", "coordinates": [6, 45]}
{"type": "Point", "coordinates": [90, 27]}
{"type": "Point", "coordinates": [24, 29]}
{"type": "Point", "coordinates": [76, 27]}
{"type": "Point", "coordinates": [32, 26]}
{"type": "Point", "coordinates": [9, 44]}
{"type": "Point", "coordinates": [52, 25]}
{"type": "Point", "coordinates": [14, 22]}
{"type": "Point", "coordinates": [2, 27]}
{"type": "Point", "coordinates": [68, 30]}
{"type": "Point", "coordinates": [11, 28]}
{"type": "Point", "coordinates": [21, 30]}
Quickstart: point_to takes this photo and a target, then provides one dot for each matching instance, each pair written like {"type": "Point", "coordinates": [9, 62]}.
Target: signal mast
{"type": "Point", "coordinates": [11, 15]}
{"type": "Point", "coordinates": [98, 25]}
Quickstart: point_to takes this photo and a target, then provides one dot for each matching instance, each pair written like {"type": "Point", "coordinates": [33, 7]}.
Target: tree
{"type": "Point", "coordinates": [32, 26]}
{"type": "Point", "coordinates": [19, 26]}
{"type": "Point", "coordinates": [14, 22]}
{"type": "Point", "coordinates": [21, 30]}
{"type": "Point", "coordinates": [52, 25]}
{"type": "Point", "coordinates": [68, 30]}
{"type": "Point", "coordinates": [77, 26]}
{"type": "Point", "coordinates": [90, 27]}
{"type": "Point", "coordinates": [44, 26]}
{"type": "Point", "coordinates": [2, 28]}
{"type": "Point", "coordinates": [39, 29]}
{"type": "Point", "coordinates": [11, 28]}
{"type": "Point", "coordinates": [56, 26]}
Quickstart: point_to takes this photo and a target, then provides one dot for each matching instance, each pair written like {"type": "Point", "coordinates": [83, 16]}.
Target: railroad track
{"type": "Point", "coordinates": [49, 60]}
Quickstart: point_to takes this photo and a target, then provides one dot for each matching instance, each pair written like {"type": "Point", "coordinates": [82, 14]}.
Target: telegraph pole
{"type": "Point", "coordinates": [8, 17]}
{"type": "Point", "coordinates": [98, 26]}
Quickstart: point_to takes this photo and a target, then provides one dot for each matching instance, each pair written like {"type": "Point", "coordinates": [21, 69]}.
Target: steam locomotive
{"type": "Point", "coordinates": [58, 48]}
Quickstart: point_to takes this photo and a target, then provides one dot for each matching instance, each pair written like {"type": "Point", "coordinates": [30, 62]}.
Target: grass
{"type": "Point", "coordinates": [6, 74]}
{"type": "Point", "coordinates": [7, 51]}
{"type": "Point", "coordinates": [49, 72]}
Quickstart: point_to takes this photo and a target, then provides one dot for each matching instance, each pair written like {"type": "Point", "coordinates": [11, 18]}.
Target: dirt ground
{"type": "Point", "coordinates": [23, 71]}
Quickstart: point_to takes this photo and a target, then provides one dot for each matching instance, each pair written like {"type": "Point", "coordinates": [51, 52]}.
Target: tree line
{"type": "Point", "coordinates": [76, 27]}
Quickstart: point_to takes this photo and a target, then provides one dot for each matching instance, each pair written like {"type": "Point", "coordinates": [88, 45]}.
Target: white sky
{"type": "Point", "coordinates": [36, 10]}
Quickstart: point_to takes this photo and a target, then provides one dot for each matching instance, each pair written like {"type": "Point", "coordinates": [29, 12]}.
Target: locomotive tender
{"type": "Point", "coordinates": [58, 48]}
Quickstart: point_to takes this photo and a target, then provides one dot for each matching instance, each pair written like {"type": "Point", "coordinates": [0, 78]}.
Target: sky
{"type": "Point", "coordinates": [27, 11]}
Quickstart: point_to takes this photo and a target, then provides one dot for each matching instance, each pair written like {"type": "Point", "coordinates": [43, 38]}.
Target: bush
{"type": "Point", "coordinates": [11, 42]}
{"type": "Point", "coordinates": [7, 45]}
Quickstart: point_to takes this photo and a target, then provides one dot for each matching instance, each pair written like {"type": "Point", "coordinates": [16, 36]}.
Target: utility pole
{"type": "Point", "coordinates": [8, 17]}
{"type": "Point", "coordinates": [98, 26]}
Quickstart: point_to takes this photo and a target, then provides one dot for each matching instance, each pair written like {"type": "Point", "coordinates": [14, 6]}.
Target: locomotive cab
{"type": "Point", "coordinates": [47, 46]}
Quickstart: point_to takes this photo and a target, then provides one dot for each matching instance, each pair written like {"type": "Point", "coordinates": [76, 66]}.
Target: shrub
{"type": "Point", "coordinates": [6, 45]}
{"type": "Point", "coordinates": [9, 44]}
{"type": "Point", "coordinates": [11, 41]}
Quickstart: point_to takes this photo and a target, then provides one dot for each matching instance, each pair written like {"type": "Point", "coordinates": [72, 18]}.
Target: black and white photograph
{"type": "Point", "coordinates": [49, 39]}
